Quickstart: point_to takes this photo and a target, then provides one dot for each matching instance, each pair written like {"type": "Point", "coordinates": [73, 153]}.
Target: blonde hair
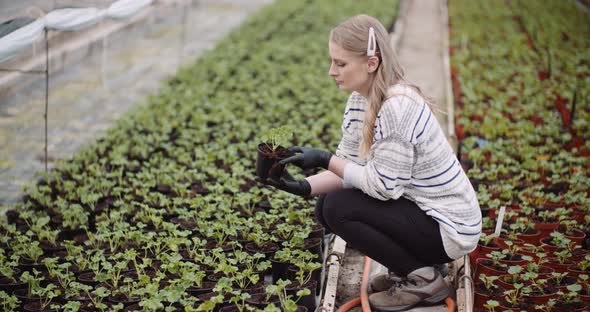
{"type": "Point", "coordinates": [353, 35]}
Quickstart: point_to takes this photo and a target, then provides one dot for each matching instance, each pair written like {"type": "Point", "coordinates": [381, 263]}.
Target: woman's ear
{"type": "Point", "coordinates": [372, 64]}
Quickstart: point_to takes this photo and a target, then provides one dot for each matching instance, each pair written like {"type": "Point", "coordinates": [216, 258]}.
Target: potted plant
{"type": "Point", "coordinates": [485, 289]}
{"type": "Point", "coordinates": [585, 291]}
{"type": "Point", "coordinates": [287, 304]}
{"type": "Point", "coordinates": [514, 298]}
{"type": "Point", "coordinates": [271, 151]}
{"type": "Point", "coordinates": [239, 302]}
{"type": "Point", "coordinates": [46, 297]}
{"type": "Point", "coordinates": [485, 245]}
{"type": "Point", "coordinates": [582, 267]}
{"type": "Point", "coordinates": [569, 299]}
{"type": "Point", "coordinates": [491, 265]}
{"type": "Point", "coordinates": [491, 305]}
{"type": "Point", "coordinates": [8, 271]}
{"type": "Point", "coordinates": [9, 303]}
{"type": "Point", "coordinates": [33, 282]}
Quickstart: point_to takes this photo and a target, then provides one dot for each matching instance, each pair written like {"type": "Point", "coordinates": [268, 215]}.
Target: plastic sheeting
{"type": "Point", "coordinates": [20, 39]}
{"type": "Point", "coordinates": [14, 24]}
{"type": "Point", "coordinates": [73, 19]}
{"type": "Point", "coordinates": [126, 8]}
{"type": "Point", "coordinates": [68, 19]}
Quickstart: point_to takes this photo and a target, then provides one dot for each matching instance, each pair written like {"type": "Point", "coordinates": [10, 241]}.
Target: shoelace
{"type": "Point", "coordinates": [399, 282]}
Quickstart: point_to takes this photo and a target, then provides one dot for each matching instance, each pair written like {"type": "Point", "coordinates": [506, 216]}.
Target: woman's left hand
{"type": "Point", "coordinates": [308, 158]}
{"type": "Point", "coordinates": [289, 184]}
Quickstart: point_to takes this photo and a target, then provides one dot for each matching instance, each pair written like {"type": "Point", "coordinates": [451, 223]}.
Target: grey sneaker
{"type": "Point", "coordinates": [424, 286]}
{"type": "Point", "coordinates": [385, 281]}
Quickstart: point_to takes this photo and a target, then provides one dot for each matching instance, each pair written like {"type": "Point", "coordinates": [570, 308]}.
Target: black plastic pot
{"type": "Point", "coordinates": [308, 301]}
{"type": "Point", "coordinates": [7, 285]}
{"type": "Point", "coordinates": [315, 277]}
{"type": "Point", "coordinates": [268, 249]}
{"type": "Point", "coordinates": [267, 162]}
{"type": "Point", "coordinates": [206, 287]}
{"type": "Point", "coordinates": [279, 270]}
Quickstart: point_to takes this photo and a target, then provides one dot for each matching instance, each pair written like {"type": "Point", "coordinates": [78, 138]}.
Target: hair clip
{"type": "Point", "coordinates": [372, 44]}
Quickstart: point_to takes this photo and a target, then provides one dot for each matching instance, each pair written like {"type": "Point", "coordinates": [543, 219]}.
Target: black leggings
{"type": "Point", "coordinates": [395, 233]}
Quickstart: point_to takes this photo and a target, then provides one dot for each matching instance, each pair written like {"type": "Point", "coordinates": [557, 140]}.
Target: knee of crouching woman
{"type": "Point", "coordinates": [334, 207]}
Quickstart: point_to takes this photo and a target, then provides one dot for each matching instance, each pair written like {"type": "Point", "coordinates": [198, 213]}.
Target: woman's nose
{"type": "Point", "coordinates": [332, 71]}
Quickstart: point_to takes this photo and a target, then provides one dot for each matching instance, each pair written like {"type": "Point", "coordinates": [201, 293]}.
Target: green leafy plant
{"type": "Point", "coordinates": [305, 266]}
{"type": "Point", "coordinates": [239, 299]}
{"type": "Point", "coordinates": [33, 282]}
{"type": "Point", "coordinates": [514, 271]}
{"type": "Point", "coordinates": [278, 136]}
{"type": "Point", "coordinates": [514, 296]}
{"type": "Point", "coordinates": [491, 305]}
{"type": "Point", "coordinates": [488, 281]}
{"type": "Point", "coordinates": [46, 295]}
{"type": "Point", "coordinates": [9, 303]}
{"type": "Point", "coordinates": [572, 295]}
{"type": "Point", "coordinates": [280, 290]}
{"type": "Point", "coordinates": [59, 271]}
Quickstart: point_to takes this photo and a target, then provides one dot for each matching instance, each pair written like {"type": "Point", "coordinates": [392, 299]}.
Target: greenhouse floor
{"type": "Point", "coordinates": [83, 104]}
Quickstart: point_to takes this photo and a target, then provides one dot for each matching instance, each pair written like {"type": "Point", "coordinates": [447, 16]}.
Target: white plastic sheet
{"type": "Point", "coordinates": [73, 19]}
{"type": "Point", "coordinates": [126, 8]}
{"type": "Point", "coordinates": [69, 19]}
{"type": "Point", "coordinates": [20, 39]}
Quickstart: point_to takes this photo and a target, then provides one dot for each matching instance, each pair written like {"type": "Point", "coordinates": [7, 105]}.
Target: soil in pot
{"type": "Point", "coordinates": [7, 284]}
{"type": "Point", "coordinates": [21, 294]}
{"type": "Point", "coordinates": [198, 188]}
{"type": "Point", "coordinates": [120, 298]}
{"type": "Point", "coordinates": [268, 249]}
{"type": "Point", "coordinates": [206, 287]}
{"type": "Point", "coordinates": [260, 301]}
{"type": "Point", "coordinates": [482, 295]}
{"type": "Point", "coordinates": [558, 267]}
{"type": "Point", "coordinates": [561, 306]}
{"type": "Point", "coordinates": [481, 251]}
{"type": "Point", "coordinates": [36, 307]}
{"type": "Point", "coordinates": [27, 265]}
{"type": "Point", "coordinates": [87, 277]}
{"type": "Point", "coordinates": [487, 267]}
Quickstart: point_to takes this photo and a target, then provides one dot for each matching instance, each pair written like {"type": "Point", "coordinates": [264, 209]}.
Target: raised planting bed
{"type": "Point", "coordinates": [521, 81]}
{"type": "Point", "coordinates": [164, 213]}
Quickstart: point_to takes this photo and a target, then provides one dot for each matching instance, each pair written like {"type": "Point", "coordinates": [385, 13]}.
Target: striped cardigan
{"type": "Point", "coordinates": [411, 157]}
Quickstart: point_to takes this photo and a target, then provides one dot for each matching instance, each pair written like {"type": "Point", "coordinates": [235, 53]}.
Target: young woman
{"type": "Point", "coordinates": [394, 188]}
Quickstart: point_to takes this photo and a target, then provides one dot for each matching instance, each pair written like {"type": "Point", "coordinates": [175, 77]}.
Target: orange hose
{"type": "Point", "coordinates": [450, 304]}
{"type": "Point", "coordinates": [350, 304]}
{"type": "Point", "coordinates": [365, 284]}
{"type": "Point", "coordinates": [364, 298]}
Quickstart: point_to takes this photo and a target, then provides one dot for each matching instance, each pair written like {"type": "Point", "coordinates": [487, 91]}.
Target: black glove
{"type": "Point", "coordinates": [308, 158]}
{"type": "Point", "coordinates": [289, 184]}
